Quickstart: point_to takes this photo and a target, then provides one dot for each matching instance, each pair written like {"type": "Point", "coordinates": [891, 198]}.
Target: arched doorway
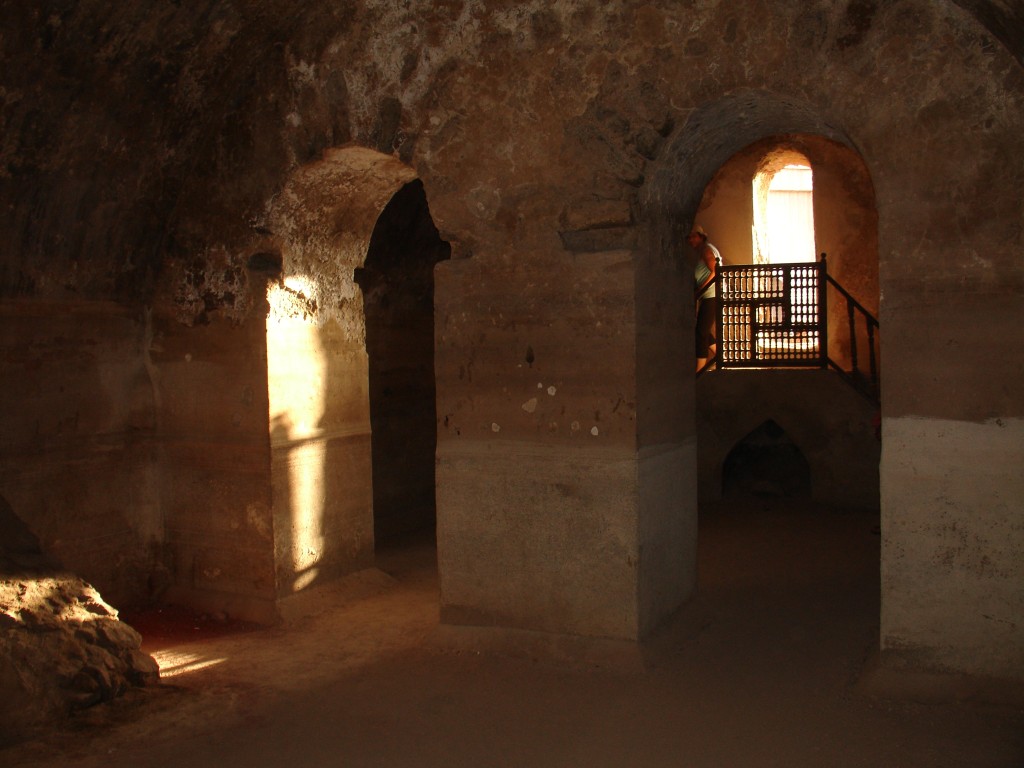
{"type": "Point", "coordinates": [706, 178]}
{"type": "Point", "coordinates": [845, 218]}
{"type": "Point", "coordinates": [397, 282]}
{"type": "Point", "coordinates": [766, 463]}
{"type": "Point", "coordinates": [331, 350]}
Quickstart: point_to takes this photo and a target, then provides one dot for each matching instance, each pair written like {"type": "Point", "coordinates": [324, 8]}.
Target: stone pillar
{"type": "Point", "coordinates": [212, 386]}
{"type": "Point", "coordinates": [549, 518]}
{"type": "Point", "coordinates": [666, 431]}
{"type": "Point", "coordinates": [951, 485]}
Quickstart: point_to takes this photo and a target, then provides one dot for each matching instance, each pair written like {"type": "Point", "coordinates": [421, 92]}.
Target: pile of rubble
{"type": "Point", "coordinates": [62, 647]}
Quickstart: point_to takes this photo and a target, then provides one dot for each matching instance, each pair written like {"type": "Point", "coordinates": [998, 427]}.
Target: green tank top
{"type": "Point", "coordinates": [701, 273]}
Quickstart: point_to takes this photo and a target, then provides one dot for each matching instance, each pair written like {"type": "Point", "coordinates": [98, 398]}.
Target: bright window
{"type": "Point", "coordinates": [784, 215]}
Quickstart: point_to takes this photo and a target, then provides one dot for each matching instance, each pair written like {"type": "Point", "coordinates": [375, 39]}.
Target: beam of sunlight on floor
{"type": "Point", "coordinates": [175, 663]}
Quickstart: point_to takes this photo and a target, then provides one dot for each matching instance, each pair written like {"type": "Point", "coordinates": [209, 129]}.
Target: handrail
{"type": "Point", "coordinates": [847, 296]}
{"type": "Point", "coordinates": [855, 376]}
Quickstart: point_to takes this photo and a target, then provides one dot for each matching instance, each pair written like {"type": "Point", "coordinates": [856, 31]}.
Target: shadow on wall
{"type": "Point", "coordinates": [20, 551]}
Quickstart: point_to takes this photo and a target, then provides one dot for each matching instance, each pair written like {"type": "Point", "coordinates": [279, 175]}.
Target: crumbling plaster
{"type": "Point", "coordinates": [142, 148]}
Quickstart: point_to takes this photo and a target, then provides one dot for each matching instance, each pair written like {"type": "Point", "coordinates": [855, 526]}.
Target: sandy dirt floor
{"type": "Point", "coordinates": [769, 665]}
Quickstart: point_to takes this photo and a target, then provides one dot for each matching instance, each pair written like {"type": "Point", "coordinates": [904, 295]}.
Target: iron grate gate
{"type": "Point", "coordinates": [772, 315]}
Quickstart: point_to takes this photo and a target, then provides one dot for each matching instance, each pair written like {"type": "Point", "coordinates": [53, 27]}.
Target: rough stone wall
{"type": "Point", "coordinates": [137, 139]}
{"type": "Point", "coordinates": [211, 105]}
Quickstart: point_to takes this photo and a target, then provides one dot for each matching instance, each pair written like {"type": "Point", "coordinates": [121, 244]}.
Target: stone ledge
{"type": "Point", "coordinates": [889, 676]}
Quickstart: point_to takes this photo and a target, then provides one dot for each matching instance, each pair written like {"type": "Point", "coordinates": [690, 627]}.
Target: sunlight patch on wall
{"type": "Point", "coordinates": [297, 384]}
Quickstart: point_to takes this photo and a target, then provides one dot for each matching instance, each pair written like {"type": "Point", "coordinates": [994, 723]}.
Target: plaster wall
{"type": "Point", "coordinates": [727, 207]}
{"type": "Point", "coordinates": [537, 467]}
{"type": "Point", "coordinates": [952, 514]}
{"type": "Point", "coordinates": [320, 446]}
{"type": "Point", "coordinates": [215, 460]}
{"type": "Point", "coordinates": [539, 539]}
{"type": "Point", "coordinates": [667, 532]}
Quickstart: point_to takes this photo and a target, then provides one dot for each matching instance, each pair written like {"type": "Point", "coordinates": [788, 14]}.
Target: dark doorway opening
{"type": "Point", "coordinates": [766, 463]}
{"type": "Point", "coordinates": [397, 281]}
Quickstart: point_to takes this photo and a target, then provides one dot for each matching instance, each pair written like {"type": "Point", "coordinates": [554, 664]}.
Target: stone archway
{"type": "Point", "coordinates": [766, 462]}
{"type": "Point", "coordinates": [845, 219]}
{"type": "Point", "coordinates": [672, 198]}
{"type": "Point", "coordinates": [319, 372]}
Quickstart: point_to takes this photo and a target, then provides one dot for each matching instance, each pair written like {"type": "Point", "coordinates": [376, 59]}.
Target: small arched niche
{"type": "Point", "coordinates": [766, 462]}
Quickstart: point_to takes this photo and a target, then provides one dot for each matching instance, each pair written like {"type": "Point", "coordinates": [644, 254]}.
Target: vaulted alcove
{"type": "Point", "coordinates": [766, 462]}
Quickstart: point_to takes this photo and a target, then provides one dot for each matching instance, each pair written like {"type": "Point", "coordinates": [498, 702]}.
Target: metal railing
{"type": "Point", "coordinates": [862, 332]}
{"type": "Point", "coordinates": [777, 316]}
